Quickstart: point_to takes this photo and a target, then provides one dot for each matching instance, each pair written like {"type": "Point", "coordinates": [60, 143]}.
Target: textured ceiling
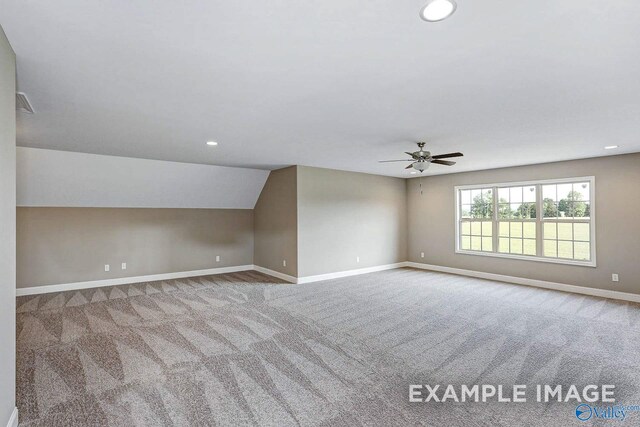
{"type": "Point", "coordinates": [337, 84]}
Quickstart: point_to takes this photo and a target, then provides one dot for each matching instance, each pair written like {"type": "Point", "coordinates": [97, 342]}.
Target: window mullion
{"type": "Point", "coordinates": [494, 226]}
{"type": "Point", "coordinates": [539, 216]}
{"type": "Point", "coordinates": [459, 220]}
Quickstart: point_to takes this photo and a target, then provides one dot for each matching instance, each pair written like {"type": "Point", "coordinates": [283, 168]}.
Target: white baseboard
{"type": "Point", "coordinates": [328, 276]}
{"type": "Point", "coordinates": [285, 277]}
{"type": "Point", "coordinates": [128, 280]}
{"type": "Point", "coordinates": [347, 273]}
{"type": "Point", "coordinates": [624, 296]}
{"type": "Point", "coordinates": [179, 275]}
{"type": "Point", "coordinates": [309, 279]}
{"type": "Point", "coordinates": [13, 420]}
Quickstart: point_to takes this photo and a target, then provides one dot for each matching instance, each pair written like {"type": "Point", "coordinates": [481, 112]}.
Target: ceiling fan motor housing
{"type": "Point", "coordinates": [421, 153]}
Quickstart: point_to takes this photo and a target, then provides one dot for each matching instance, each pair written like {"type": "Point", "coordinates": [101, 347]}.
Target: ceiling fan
{"type": "Point", "coordinates": [421, 159]}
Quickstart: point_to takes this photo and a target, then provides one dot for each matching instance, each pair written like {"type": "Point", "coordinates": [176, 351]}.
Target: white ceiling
{"type": "Point", "coordinates": [333, 83]}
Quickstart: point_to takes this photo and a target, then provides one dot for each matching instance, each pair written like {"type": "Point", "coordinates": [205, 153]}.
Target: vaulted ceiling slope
{"type": "Point", "coordinates": [338, 84]}
{"type": "Point", "coordinates": [66, 179]}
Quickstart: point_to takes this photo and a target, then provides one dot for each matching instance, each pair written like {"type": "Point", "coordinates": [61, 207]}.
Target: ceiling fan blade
{"type": "Point", "coordinates": [387, 161]}
{"type": "Point", "coordinates": [411, 154]}
{"type": "Point", "coordinates": [443, 162]}
{"type": "Point", "coordinates": [445, 156]}
{"type": "Point", "coordinates": [410, 166]}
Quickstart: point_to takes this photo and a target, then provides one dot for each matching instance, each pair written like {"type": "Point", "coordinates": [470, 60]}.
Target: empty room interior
{"type": "Point", "coordinates": [338, 213]}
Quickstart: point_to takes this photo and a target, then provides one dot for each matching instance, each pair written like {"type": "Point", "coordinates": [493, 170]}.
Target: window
{"type": "Point", "coordinates": [549, 221]}
{"type": "Point", "coordinates": [477, 210]}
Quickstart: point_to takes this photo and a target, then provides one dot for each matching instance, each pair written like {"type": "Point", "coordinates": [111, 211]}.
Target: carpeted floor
{"type": "Point", "coordinates": [243, 349]}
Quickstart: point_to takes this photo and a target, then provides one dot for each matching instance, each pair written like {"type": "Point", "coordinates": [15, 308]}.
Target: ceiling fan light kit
{"type": "Point", "coordinates": [421, 159]}
{"type": "Point", "coordinates": [421, 166]}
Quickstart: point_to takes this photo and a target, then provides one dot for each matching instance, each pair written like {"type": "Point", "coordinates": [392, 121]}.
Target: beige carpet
{"type": "Point", "coordinates": [242, 349]}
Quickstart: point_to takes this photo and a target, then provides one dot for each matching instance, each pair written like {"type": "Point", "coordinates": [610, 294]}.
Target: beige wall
{"type": "Point", "coordinates": [432, 222]}
{"type": "Point", "coordinates": [320, 221]}
{"type": "Point", "coordinates": [344, 215]}
{"type": "Point", "coordinates": [7, 228]}
{"type": "Point", "coordinates": [65, 245]}
{"type": "Point", "coordinates": [276, 223]}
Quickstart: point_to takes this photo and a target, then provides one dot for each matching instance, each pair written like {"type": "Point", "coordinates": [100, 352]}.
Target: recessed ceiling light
{"type": "Point", "coordinates": [610, 147]}
{"type": "Point", "coordinates": [212, 143]}
{"type": "Point", "coordinates": [437, 10]}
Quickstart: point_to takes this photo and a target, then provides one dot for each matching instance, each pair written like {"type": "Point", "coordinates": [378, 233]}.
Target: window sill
{"type": "Point", "coordinates": [529, 258]}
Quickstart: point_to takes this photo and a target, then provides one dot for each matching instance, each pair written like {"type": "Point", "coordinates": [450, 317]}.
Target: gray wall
{"type": "Point", "coordinates": [7, 229]}
{"type": "Point", "coordinates": [276, 223]}
{"type": "Point", "coordinates": [344, 215]}
{"type": "Point", "coordinates": [66, 245]}
{"type": "Point", "coordinates": [432, 222]}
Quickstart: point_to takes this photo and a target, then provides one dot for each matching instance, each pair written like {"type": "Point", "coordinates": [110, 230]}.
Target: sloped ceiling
{"type": "Point", "coordinates": [66, 179]}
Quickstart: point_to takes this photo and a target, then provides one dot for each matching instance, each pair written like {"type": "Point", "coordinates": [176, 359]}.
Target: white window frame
{"type": "Point", "coordinates": [539, 220]}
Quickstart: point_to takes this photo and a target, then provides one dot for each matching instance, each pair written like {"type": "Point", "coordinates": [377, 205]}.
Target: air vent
{"type": "Point", "coordinates": [23, 104]}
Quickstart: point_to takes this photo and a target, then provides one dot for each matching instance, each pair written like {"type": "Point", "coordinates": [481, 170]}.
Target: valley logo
{"type": "Point", "coordinates": [586, 412]}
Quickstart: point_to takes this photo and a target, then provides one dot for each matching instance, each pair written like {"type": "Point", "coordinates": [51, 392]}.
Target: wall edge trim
{"type": "Point", "coordinates": [603, 293]}
{"type": "Point", "coordinates": [45, 289]}
{"type": "Point", "coordinates": [347, 273]}
{"type": "Point", "coordinates": [13, 419]}
{"type": "Point", "coordinates": [276, 274]}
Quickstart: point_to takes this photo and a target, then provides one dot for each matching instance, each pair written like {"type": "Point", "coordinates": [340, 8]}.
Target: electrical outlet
{"type": "Point", "coordinates": [615, 278]}
{"type": "Point", "coordinates": [421, 254]}
{"type": "Point", "coordinates": [284, 262]}
{"type": "Point", "coordinates": [106, 267]}
{"type": "Point", "coordinates": [358, 259]}
{"type": "Point", "coordinates": [217, 258]}
{"type": "Point", "coordinates": [124, 265]}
